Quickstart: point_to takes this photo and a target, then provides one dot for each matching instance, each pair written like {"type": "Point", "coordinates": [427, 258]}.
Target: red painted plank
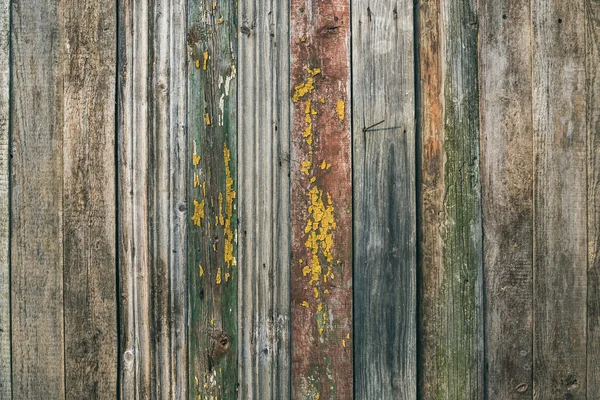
{"type": "Point", "coordinates": [321, 201]}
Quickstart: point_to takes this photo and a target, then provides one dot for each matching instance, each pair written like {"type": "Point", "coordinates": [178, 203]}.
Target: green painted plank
{"type": "Point", "coordinates": [451, 242]}
{"type": "Point", "coordinates": [212, 203]}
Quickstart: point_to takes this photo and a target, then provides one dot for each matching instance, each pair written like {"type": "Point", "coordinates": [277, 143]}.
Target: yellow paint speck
{"type": "Point", "coordinates": [305, 167]}
{"type": "Point", "coordinates": [195, 157]}
{"type": "Point", "coordinates": [313, 179]}
{"type": "Point", "coordinates": [304, 304]}
{"type": "Point", "coordinates": [207, 119]}
{"type": "Point", "coordinates": [227, 276]}
{"type": "Point", "coordinates": [197, 63]}
{"type": "Point", "coordinates": [196, 180]}
{"type": "Point", "coordinates": [198, 212]}
{"type": "Point", "coordinates": [340, 109]}
{"type": "Point", "coordinates": [205, 60]}
{"type": "Point", "coordinates": [212, 322]}
{"type": "Point", "coordinates": [303, 39]}
{"type": "Point", "coordinates": [320, 307]}
{"type": "Point", "coordinates": [343, 342]}
{"type": "Point", "coordinates": [201, 270]}
{"type": "Point", "coordinates": [316, 293]}
{"type": "Point", "coordinates": [218, 281]}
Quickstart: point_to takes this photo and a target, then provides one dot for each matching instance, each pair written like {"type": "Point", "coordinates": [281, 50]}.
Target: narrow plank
{"type": "Point", "coordinates": [168, 217]}
{"type": "Point", "coordinates": [559, 192]}
{"type": "Point", "coordinates": [593, 197]}
{"type": "Point", "coordinates": [36, 201]}
{"type": "Point", "coordinates": [89, 246]}
{"type": "Point", "coordinates": [264, 186]}
{"type": "Point", "coordinates": [321, 200]}
{"type": "Point", "coordinates": [507, 181]}
{"type": "Point", "coordinates": [133, 129]}
{"type": "Point", "coordinates": [212, 186]}
{"type": "Point", "coordinates": [5, 357]}
{"type": "Point", "coordinates": [384, 200]}
{"type": "Point", "coordinates": [451, 241]}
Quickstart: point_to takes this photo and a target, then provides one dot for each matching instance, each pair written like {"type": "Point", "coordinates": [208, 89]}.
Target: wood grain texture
{"type": "Point", "coordinates": [451, 242]}
{"type": "Point", "coordinates": [5, 348]}
{"type": "Point", "coordinates": [137, 350]}
{"type": "Point", "coordinates": [88, 32]}
{"type": "Point", "coordinates": [560, 238]}
{"type": "Point", "coordinates": [321, 200]}
{"type": "Point", "coordinates": [384, 200]}
{"type": "Point", "coordinates": [212, 186]}
{"type": "Point", "coordinates": [507, 179]}
{"type": "Point", "coordinates": [168, 189]}
{"type": "Point", "coordinates": [264, 199]}
{"type": "Point", "coordinates": [36, 201]}
{"type": "Point", "coordinates": [592, 86]}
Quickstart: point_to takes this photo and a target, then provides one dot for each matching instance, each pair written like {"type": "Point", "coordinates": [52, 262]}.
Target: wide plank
{"type": "Point", "coordinates": [385, 295]}
{"type": "Point", "coordinates": [560, 195]}
{"type": "Point", "coordinates": [37, 109]}
{"type": "Point", "coordinates": [88, 29]}
{"type": "Point", "coordinates": [211, 167]}
{"type": "Point", "coordinates": [321, 200]}
{"type": "Point", "coordinates": [451, 259]}
{"type": "Point", "coordinates": [264, 200]}
{"type": "Point", "coordinates": [507, 180]}
{"type": "Point", "coordinates": [5, 349]}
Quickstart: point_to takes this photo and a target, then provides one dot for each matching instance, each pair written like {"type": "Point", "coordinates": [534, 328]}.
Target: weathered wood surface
{"type": "Point", "coordinates": [592, 83]}
{"type": "Point", "coordinates": [321, 200]}
{"type": "Point", "coordinates": [88, 39]}
{"type": "Point", "coordinates": [451, 241]}
{"type": "Point", "coordinates": [264, 199]}
{"type": "Point", "coordinates": [559, 192]}
{"type": "Point", "coordinates": [384, 200]}
{"type": "Point", "coordinates": [168, 217]}
{"type": "Point", "coordinates": [37, 198]}
{"type": "Point", "coordinates": [507, 181]}
{"type": "Point", "coordinates": [5, 357]}
{"type": "Point", "coordinates": [133, 132]}
{"type": "Point", "coordinates": [212, 184]}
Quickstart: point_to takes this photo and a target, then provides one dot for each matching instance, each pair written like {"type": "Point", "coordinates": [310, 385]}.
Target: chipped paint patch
{"type": "Point", "coordinates": [230, 194]}
{"type": "Point", "coordinates": [306, 167]}
{"type": "Point", "coordinates": [306, 87]}
{"type": "Point", "coordinates": [340, 109]}
{"type": "Point", "coordinates": [198, 212]}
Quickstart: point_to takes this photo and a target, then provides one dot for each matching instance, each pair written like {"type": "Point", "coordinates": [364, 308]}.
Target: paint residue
{"type": "Point", "coordinates": [306, 87]}
{"type": "Point", "coordinates": [340, 109]}
{"type": "Point", "coordinates": [230, 194]}
{"type": "Point", "coordinates": [198, 212]}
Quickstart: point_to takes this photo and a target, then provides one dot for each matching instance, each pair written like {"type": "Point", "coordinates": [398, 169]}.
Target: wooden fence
{"type": "Point", "coordinates": [300, 199]}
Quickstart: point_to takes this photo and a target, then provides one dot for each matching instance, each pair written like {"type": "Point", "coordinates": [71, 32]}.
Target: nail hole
{"type": "Point", "coordinates": [560, 20]}
{"type": "Point", "coordinates": [504, 16]}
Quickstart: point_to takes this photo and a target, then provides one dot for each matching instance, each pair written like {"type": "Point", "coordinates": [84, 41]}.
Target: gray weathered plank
{"type": "Point", "coordinates": [168, 156]}
{"type": "Point", "coordinates": [559, 192]}
{"type": "Point", "coordinates": [5, 358]}
{"type": "Point", "coordinates": [507, 181]}
{"type": "Point", "coordinates": [384, 200]}
{"type": "Point", "coordinates": [264, 157]}
{"type": "Point", "coordinates": [452, 364]}
{"type": "Point", "coordinates": [593, 178]}
{"type": "Point", "coordinates": [212, 186]}
{"type": "Point", "coordinates": [37, 196]}
{"type": "Point", "coordinates": [88, 32]}
{"type": "Point", "coordinates": [133, 131]}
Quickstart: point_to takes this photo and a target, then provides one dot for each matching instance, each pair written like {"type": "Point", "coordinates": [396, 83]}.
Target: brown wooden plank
{"type": "Point", "coordinates": [593, 197]}
{"type": "Point", "coordinates": [384, 200]}
{"type": "Point", "coordinates": [5, 349]}
{"type": "Point", "coordinates": [212, 198]}
{"type": "Point", "coordinates": [133, 129]}
{"type": "Point", "coordinates": [452, 364]}
{"type": "Point", "coordinates": [264, 240]}
{"type": "Point", "coordinates": [321, 200]}
{"type": "Point", "coordinates": [88, 29]}
{"type": "Point", "coordinates": [36, 199]}
{"type": "Point", "coordinates": [507, 180]}
{"type": "Point", "coordinates": [559, 192]}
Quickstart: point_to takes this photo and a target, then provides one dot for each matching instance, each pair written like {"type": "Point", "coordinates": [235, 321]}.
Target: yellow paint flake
{"type": "Point", "coordinates": [303, 39]}
{"type": "Point", "coordinates": [326, 291]}
{"type": "Point", "coordinates": [196, 180]}
{"type": "Point", "coordinates": [230, 194]}
{"type": "Point", "coordinates": [212, 322]}
{"type": "Point", "coordinates": [309, 112]}
{"type": "Point", "coordinates": [325, 166]}
{"type": "Point", "coordinates": [195, 157]}
{"type": "Point", "coordinates": [322, 100]}
{"type": "Point", "coordinates": [207, 119]}
{"type": "Point", "coordinates": [205, 60]}
{"type": "Point", "coordinates": [197, 63]}
{"type": "Point", "coordinates": [201, 270]}
{"type": "Point", "coordinates": [320, 307]}
{"type": "Point", "coordinates": [227, 276]}
{"type": "Point", "coordinates": [313, 179]}
{"type": "Point", "coordinates": [343, 342]}
{"type": "Point", "coordinates": [218, 281]}
{"type": "Point", "coordinates": [220, 21]}
{"type": "Point", "coordinates": [305, 167]}
{"type": "Point", "coordinates": [220, 219]}
{"type": "Point", "coordinates": [204, 188]}
{"type": "Point", "coordinates": [340, 109]}
{"type": "Point", "coordinates": [306, 87]}
{"type": "Point", "coordinates": [305, 304]}
{"type": "Point", "coordinates": [198, 212]}
{"type": "Point", "coordinates": [348, 336]}
{"type": "Point", "coordinates": [316, 292]}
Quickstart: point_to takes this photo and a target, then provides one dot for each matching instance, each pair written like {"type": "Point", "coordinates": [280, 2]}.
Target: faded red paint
{"type": "Point", "coordinates": [321, 360]}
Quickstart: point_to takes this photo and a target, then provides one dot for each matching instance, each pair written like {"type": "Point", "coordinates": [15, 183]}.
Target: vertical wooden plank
{"type": "Point", "coordinates": [5, 349]}
{"type": "Point", "coordinates": [168, 217]}
{"type": "Point", "coordinates": [37, 198]}
{"type": "Point", "coordinates": [560, 241]}
{"type": "Point", "coordinates": [264, 185]}
{"type": "Point", "coordinates": [451, 241]}
{"type": "Point", "coordinates": [507, 181]}
{"type": "Point", "coordinates": [321, 200]}
{"type": "Point", "coordinates": [592, 85]}
{"type": "Point", "coordinates": [385, 200]}
{"type": "Point", "coordinates": [212, 191]}
{"type": "Point", "coordinates": [89, 253]}
{"type": "Point", "coordinates": [136, 353]}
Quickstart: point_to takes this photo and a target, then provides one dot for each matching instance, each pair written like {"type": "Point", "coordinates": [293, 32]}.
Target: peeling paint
{"type": "Point", "coordinates": [230, 194]}
{"type": "Point", "coordinates": [198, 212]}
{"type": "Point", "coordinates": [205, 60]}
{"type": "Point", "coordinates": [340, 109]}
